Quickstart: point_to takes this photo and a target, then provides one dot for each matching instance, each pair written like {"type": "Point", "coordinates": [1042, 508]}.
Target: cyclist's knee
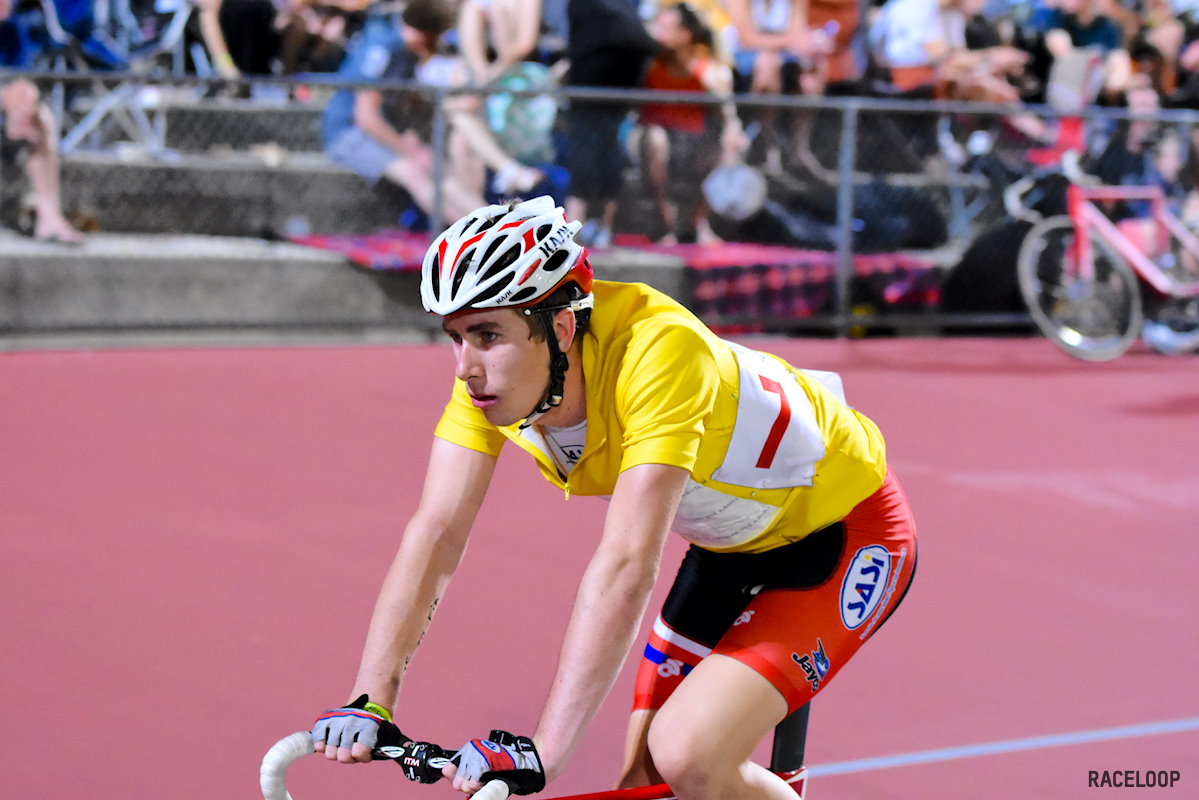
{"type": "Point", "coordinates": [687, 759]}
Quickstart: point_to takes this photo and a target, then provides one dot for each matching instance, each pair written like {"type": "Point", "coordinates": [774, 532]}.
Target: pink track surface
{"type": "Point", "coordinates": [192, 542]}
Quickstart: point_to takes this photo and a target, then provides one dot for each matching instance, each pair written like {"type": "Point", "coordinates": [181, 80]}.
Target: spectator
{"type": "Point", "coordinates": [388, 135]}
{"type": "Point", "coordinates": [507, 29]}
{"type": "Point", "coordinates": [1137, 155]}
{"type": "Point", "coordinates": [240, 36]}
{"type": "Point", "coordinates": [1186, 80]}
{"type": "Point", "coordinates": [678, 137]}
{"type": "Point", "coordinates": [772, 38]}
{"type": "Point", "coordinates": [771, 33]}
{"type": "Point", "coordinates": [28, 124]}
{"type": "Point", "coordinates": [313, 33]}
{"type": "Point", "coordinates": [608, 47]}
{"type": "Point", "coordinates": [842, 62]}
{"type": "Point", "coordinates": [1079, 25]}
{"type": "Point", "coordinates": [922, 45]}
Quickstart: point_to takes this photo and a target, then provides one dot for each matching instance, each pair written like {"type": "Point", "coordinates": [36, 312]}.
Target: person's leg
{"type": "Point", "coordinates": [512, 176]}
{"type": "Point", "coordinates": [773, 649]}
{"type": "Point", "coordinates": [457, 199]}
{"type": "Point", "coordinates": [702, 739]}
{"type": "Point", "coordinates": [43, 168]}
{"type": "Point", "coordinates": [655, 156]}
{"type": "Point", "coordinates": [638, 767]}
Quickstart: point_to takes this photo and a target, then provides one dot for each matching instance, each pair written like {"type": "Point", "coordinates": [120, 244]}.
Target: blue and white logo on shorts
{"type": "Point", "coordinates": [864, 585]}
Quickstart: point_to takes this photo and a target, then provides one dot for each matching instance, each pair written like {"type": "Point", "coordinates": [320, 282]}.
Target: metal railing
{"type": "Point", "coordinates": [868, 185]}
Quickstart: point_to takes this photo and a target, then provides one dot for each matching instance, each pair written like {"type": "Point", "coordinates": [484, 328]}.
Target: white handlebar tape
{"type": "Point", "coordinates": [494, 790]}
{"type": "Point", "coordinates": [288, 749]}
{"type": "Point", "coordinates": [276, 761]}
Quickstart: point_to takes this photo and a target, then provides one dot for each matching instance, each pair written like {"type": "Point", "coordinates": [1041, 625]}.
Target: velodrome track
{"type": "Point", "coordinates": [193, 538]}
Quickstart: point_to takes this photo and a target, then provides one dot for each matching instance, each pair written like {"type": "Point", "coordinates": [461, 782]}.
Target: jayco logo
{"type": "Point", "coordinates": [863, 587]}
{"type": "Point", "coordinates": [814, 664]}
{"type": "Point", "coordinates": [744, 618]}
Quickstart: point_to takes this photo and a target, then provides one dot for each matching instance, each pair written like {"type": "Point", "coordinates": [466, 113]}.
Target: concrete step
{"type": "Point", "coordinates": [236, 194]}
{"type": "Point", "coordinates": [199, 282]}
{"type": "Point", "coordinates": [241, 125]}
{"type": "Point", "coordinates": [117, 283]}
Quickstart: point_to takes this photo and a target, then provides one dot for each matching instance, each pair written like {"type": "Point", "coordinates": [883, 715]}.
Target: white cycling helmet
{"type": "Point", "coordinates": [503, 256]}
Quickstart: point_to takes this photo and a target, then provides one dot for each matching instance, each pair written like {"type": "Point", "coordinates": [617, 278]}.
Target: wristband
{"type": "Point", "coordinates": [378, 710]}
{"type": "Point", "coordinates": [224, 60]}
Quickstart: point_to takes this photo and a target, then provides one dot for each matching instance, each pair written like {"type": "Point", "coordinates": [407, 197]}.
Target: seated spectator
{"type": "Point", "coordinates": [29, 126]}
{"type": "Point", "coordinates": [922, 46]}
{"type": "Point", "coordinates": [1079, 25]}
{"type": "Point", "coordinates": [770, 34]}
{"type": "Point", "coordinates": [1138, 154]}
{"type": "Point", "coordinates": [1143, 153]}
{"type": "Point", "coordinates": [680, 137]}
{"type": "Point", "coordinates": [314, 33]}
{"type": "Point", "coordinates": [1185, 93]}
{"type": "Point", "coordinates": [389, 135]}
{"type": "Point", "coordinates": [840, 63]}
{"type": "Point", "coordinates": [496, 35]}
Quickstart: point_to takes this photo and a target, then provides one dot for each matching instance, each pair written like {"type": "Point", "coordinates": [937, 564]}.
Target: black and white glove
{"type": "Point", "coordinates": [357, 722]}
{"type": "Point", "coordinates": [366, 723]}
{"type": "Point", "coordinates": [502, 756]}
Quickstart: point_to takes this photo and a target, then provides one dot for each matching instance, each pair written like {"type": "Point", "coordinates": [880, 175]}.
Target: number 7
{"type": "Point", "coordinates": [766, 457]}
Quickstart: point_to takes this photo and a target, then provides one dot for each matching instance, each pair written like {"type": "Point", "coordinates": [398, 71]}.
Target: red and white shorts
{"type": "Point", "coordinates": [795, 614]}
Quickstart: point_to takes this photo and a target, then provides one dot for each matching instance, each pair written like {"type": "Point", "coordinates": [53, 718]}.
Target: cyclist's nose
{"type": "Point", "coordinates": [468, 364]}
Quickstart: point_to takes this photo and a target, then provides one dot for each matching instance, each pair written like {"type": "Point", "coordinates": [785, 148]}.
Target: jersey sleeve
{"type": "Point", "coordinates": [463, 424]}
{"type": "Point", "coordinates": [665, 393]}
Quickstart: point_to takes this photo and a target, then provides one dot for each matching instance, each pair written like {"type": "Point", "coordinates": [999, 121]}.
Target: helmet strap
{"type": "Point", "coordinates": [559, 363]}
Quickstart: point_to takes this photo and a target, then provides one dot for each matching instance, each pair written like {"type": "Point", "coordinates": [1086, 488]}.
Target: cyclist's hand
{"type": "Point", "coordinates": [348, 734]}
{"type": "Point", "coordinates": [502, 756]}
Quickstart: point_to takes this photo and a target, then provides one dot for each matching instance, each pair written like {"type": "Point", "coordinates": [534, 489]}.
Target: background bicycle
{"type": "Point", "coordinates": [1082, 275]}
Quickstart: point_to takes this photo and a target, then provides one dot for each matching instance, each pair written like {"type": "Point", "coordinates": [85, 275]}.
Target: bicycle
{"type": "Point", "coordinates": [786, 761]}
{"type": "Point", "coordinates": [1081, 276]}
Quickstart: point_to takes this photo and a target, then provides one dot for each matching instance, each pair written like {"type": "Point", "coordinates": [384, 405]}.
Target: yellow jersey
{"type": "Point", "coordinates": [774, 452]}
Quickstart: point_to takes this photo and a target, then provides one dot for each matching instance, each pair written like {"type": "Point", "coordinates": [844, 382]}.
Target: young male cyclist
{"type": "Point", "coordinates": [802, 539]}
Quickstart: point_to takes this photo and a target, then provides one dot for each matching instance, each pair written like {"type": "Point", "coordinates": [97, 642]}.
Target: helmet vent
{"type": "Point", "coordinates": [502, 263]}
{"type": "Point", "coordinates": [460, 273]}
{"type": "Point", "coordinates": [544, 231]}
{"type": "Point", "coordinates": [554, 262]}
{"type": "Point", "coordinates": [523, 294]}
{"type": "Point", "coordinates": [491, 248]}
{"type": "Point", "coordinates": [435, 275]}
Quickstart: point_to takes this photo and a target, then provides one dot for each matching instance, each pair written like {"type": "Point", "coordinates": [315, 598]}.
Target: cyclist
{"type": "Point", "coordinates": [802, 540]}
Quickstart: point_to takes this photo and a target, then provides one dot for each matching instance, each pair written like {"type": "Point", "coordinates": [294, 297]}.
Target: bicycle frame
{"type": "Point", "coordinates": [1087, 216]}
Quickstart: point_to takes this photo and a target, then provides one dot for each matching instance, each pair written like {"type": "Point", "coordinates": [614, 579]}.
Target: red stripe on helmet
{"type": "Point", "coordinates": [528, 272]}
{"type": "Point", "coordinates": [463, 247]}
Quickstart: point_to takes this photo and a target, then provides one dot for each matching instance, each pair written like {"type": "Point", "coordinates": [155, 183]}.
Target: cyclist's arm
{"type": "Point", "coordinates": [429, 553]}
{"type": "Point", "coordinates": [608, 608]}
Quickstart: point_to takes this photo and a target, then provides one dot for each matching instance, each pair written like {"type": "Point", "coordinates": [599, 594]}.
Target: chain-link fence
{"type": "Point", "coordinates": [838, 214]}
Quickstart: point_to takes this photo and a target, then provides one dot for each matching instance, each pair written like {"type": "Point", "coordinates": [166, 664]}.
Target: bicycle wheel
{"type": "Point", "coordinates": [1095, 317]}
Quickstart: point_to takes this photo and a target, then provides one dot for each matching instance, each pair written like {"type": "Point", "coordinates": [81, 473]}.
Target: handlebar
{"type": "Point", "coordinates": [276, 761]}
